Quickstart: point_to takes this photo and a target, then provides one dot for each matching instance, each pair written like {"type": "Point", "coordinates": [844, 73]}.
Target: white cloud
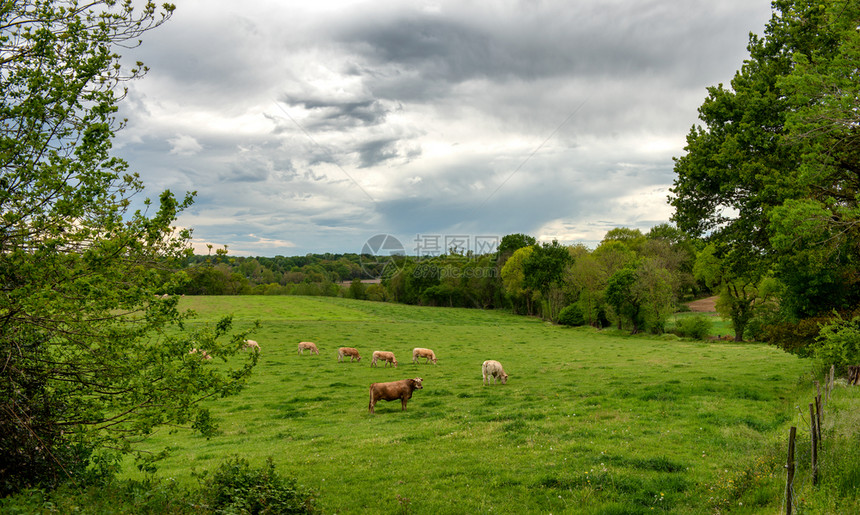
{"type": "Point", "coordinates": [184, 145]}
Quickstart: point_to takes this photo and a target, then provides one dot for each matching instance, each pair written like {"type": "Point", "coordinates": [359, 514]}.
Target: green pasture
{"type": "Point", "coordinates": [589, 422]}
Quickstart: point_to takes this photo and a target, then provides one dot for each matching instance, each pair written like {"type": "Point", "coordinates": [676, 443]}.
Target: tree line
{"type": "Point", "coordinates": [633, 280]}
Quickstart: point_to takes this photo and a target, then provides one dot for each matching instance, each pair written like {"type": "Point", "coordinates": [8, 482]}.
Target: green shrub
{"type": "Point", "coordinates": [838, 343]}
{"type": "Point", "coordinates": [795, 338]}
{"type": "Point", "coordinates": [236, 488]}
{"type": "Point", "coordinates": [572, 316]}
{"type": "Point", "coordinates": [698, 327]}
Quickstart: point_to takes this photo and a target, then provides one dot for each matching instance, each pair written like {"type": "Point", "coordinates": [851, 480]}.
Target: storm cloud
{"type": "Point", "coordinates": [310, 127]}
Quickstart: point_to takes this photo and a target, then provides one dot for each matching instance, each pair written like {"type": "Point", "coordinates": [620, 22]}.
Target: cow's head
{"type": "Point", "coordinates": [416, 383]}
{"type": "Point", "coordinates": [504, 378]}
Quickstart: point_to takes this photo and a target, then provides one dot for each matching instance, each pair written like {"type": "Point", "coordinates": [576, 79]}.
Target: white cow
{"type": "Point", "coordinates": [492, 368]}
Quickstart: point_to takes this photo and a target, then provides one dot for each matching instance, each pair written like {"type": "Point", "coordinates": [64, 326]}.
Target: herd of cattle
{"type": "Point", "coordinates": [490, 369]}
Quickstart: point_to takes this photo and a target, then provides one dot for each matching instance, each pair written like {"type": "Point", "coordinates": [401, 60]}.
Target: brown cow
{"type": "Point", "coordinates": [303, 346]}
{"type": "Point", "coordinates": [348, 351]}
{"type": "Point", "coordinates": [394, 390]}
{"type": "Point", "coordinates": [387, 357]}
{"type": "Point", "coordinates": [492, 368]}
{"type": "Point", "coordinates": [418, 352]}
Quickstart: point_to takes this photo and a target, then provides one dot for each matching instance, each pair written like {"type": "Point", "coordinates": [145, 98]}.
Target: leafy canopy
{"type": "Point", "coordinates": [770, 178]}
{"type": "Point", "coordinates": [94, 356]}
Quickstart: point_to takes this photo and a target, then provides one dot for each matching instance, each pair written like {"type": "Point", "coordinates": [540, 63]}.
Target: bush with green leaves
{"type": "Point", "coordinates": [698, 327]}
{"type": "Point", "coordinates": [237, 488]}
{"type": "Point", "coordinates": [571, 315]}
{"type": "Point", "coordinates": [838, 343]}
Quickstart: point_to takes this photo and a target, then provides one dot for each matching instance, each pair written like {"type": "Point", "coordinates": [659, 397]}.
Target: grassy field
{"type": "Point", "coordinates": [589, 422]}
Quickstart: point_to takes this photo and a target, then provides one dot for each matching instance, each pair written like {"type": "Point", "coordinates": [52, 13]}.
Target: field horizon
{"type": "Point", "coordinates": [589, 422]}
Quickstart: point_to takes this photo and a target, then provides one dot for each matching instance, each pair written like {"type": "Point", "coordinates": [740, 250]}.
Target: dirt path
{"type": "Point", "coordinates": [703, 305]}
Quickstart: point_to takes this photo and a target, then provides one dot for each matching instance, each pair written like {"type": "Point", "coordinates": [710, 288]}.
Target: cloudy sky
{"type": "Point", "coordinates": [313, 126]}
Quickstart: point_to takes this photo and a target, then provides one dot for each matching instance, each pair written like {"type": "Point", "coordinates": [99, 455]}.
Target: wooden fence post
{"type": "Point", "coordinates": [789, 487]}
{"type": "Point", "coordinates": [830, 380]}
{"type": "Point", "coordinates": [813, 426]}
{"type": "Point", "coordinates": [818, 418]}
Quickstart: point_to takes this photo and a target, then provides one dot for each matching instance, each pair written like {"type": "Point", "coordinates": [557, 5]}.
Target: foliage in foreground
{"type": "Point", "coordinates": [93, 355]}
{"type": "Point", "coordinates": [237, 488]}
{"type": "Point", "coordinates": [234, 487]}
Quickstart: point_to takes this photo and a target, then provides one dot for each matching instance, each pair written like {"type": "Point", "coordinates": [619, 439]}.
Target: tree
{"type": "Point", "coordinates": [676, 252]}
{"type": "Point", "coordinates": [613, 256]}
{"type": "Point", "coordinates": [588, 277]}
{"type": "Point", "coordinates": [740, 296]}
{"type": "Point", "coordinates": [94, 354]}
{"type": "Point", "coordinates": [633, 239]}
{"type": "Point", "coordinates": [746, 170]}
{"type": "Point", "coordinates": [621, 295]}
{"type": "Point", "coordinates": [655, 288]}
{"type": "Point", "coordinates": [357, 289]}
{"type": "Point", "coordinates": [817, 237]}
{"type": "Point", "coordinates": [514, 242]}
{"type": "Point", "coordinates": [641, 295]}
{"type": "Point", "coordinates": [543, 271]}
{"type": "Point", "coordinates": [514, 281]}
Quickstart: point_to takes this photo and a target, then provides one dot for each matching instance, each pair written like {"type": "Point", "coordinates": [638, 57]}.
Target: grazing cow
{"type": "Point", "coordinates": [251, 344]}
{"type": "Point", "coordinates": [423, 353]}
{"type": "Point", "coordinates": [387, 357]}
{"type": "Point", "coordinates": [492, 368]}
{"type": "Point", "coordinates": [348, 351]}
{"type": "Point", "coordinates": [394, 390]}
{"type": "Point", "coordinates": [303, 346]}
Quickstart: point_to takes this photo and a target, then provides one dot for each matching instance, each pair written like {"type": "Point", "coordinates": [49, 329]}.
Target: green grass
{"type": "Point", "coordinates": [589, 422]}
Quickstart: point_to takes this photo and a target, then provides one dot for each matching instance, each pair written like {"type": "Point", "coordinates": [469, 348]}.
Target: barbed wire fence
{"type": "Point", "coordinates": [816, 449]}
